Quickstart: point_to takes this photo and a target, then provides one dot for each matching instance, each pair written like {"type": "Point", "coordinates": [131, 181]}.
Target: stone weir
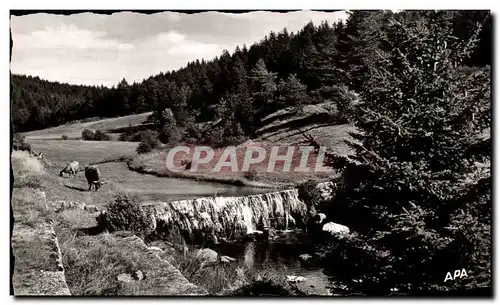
{"type": "Point", "coordinates": [227, 217]}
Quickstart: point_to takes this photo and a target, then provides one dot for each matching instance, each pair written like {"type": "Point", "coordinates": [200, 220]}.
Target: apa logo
{"type": "Point", "coordinates": [457, 273]}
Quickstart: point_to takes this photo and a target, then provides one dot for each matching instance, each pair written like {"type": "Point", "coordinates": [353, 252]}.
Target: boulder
{"type": "Point", "coordinates": [295, 279]}
{"type": "Point", "coordinates": [319, 218]}
{"type": "Point", "coordinates": [138, 275]}
{"type": "Point", "coordinates": [124, 277]}
{"type": "Point", "coordinates": [326, 190]}
{"type": "Point", "coordinates": [226, 259]}
{"type": "Point", "coordinates": [305, 258]}
{"type": "Point", "coordinates": [315, 224]}
{"type": "Point", "coordinates": [66, 205]}
{"type": "Point", "coordinates": [91, 208]}
{"type": "Point", "coordinates": [268, 233]}
{"type": "Point", "coordinates": [335, 229]}
{"type": "Point", "coordinates": [255, 235]}
{"type": "Point", "coordinates": [207, 256]}
{"type": "Point", "coordinates": [155, 249]}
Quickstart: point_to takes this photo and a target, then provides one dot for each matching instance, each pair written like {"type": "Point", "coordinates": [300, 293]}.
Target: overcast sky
{"type": "Point", "coordinates": [96, 49]}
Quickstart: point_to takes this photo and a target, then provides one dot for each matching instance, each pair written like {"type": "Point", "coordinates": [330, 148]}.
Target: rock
{"type": "Point", "coordinates": [315, 224]}
{"type": "Point", "coordinates": [335, 229]}
{"type": "Point", "coordinates": [319, 218]}
{"type": "Point", "coordinates": [91, 208]}
{"type": "Point", "coordinates": [326, 190]}
{"type": "Point", "coordinates": [205, 220]}
{"type": "Point", "coordinates": [226, 259]}
{"type": "Point", "coordinates": [124, 277]}
{"type": "Point", "coordinates": [138, 275]}
{"type": "Point", "coordinates": [65, 205]}
{"type": "Point", "coordinates": [305, 257]}
{"type": "Point", "coordinates": [255, 235]}
{"type": "Point", "coordinates": [268, 233]}
{"type": "Point", "coordinates": [295, 279]}
{"type": "Point", "coordinates": [207, 256]}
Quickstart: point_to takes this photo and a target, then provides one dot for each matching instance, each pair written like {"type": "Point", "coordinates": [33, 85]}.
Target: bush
{"type": "Point", "coordinates": [169, 135]}
{"type": "Point", "coordinates": [143, 148]}
{"type": "Point", "coordinates": [310, 194]}
{"type": "Point", "coordinates": [87, 135]}
{"type": "Point", "coordinates": [64, 137]}
{"type": "Point", "coordinates": [125, 214]}
{"type": "Point", "coordinates": [18, 138]}
{"type": "Point", "coordinates": [148, 142]}
{"type": "Point", "coordinates": [101, 136]}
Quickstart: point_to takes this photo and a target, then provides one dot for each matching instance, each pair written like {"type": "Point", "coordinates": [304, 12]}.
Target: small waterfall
{"type": "Point", "coordinates": [247, 217]}
{"type": "Point", "coordinates": [229, 216]}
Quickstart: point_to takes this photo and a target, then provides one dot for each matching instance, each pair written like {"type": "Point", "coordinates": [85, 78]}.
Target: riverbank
{"type": "Point", "coordinates": [258, 176]}
{"type": "Point", "coordinates": [99, 263]}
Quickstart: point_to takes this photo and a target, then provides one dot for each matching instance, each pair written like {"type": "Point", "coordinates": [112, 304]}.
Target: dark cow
{"type": "Point", "coordinates": [93, 176]}
{"type": "Point", "coordinates": [71, 168]}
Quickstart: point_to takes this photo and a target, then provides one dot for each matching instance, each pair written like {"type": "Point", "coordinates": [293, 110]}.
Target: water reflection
{"type": "Point", "coordinates": [279, 256]}
{"type": "Point", "coordinates": [249, 255]}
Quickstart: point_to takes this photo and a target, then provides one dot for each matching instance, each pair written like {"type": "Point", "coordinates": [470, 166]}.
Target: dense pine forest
{"type": "Point", "coordinates": [283, 69]}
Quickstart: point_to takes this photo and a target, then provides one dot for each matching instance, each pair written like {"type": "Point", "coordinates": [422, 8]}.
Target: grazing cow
{"type": "Point", "coordinates": [71, 169]}
{"type": "Point", "coordinates": [22, 147]}
{"type": "Point", "coordinates": [93, 177]}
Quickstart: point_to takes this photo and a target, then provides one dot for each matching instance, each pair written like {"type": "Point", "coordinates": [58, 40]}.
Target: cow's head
{"type": "Point", "coordinates": [98, 184]}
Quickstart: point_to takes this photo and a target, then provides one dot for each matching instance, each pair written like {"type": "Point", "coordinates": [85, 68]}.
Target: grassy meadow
{"type": "Point", "coordinates": [74, 130]}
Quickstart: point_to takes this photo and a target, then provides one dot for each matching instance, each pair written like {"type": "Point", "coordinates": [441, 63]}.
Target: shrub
{"type": "Point", "coordinates": [87, 135]}
{"type": "Point", "coordinates": [148, 142]}
{"type": "Point", "coordinates": [101, 136]}
{"type": "Point", "coordinates": [125, 214]}
{"type": "Point", "coordinates": [18, 138]}
{"type": "Point", "coordinates": [169, 135]}
{"type": "Point", "coordinates": [143, 148]}
{"type": "Point", "coordinates": [310, 194]}
{"type": "Point", "coordinates": [125, 136]}
{"type": "Point", "coordinates": [64, 137]}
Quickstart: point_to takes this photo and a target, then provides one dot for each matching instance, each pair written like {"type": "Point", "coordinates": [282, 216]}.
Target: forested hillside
{"type": "Point", "coordinates": [283, 69]}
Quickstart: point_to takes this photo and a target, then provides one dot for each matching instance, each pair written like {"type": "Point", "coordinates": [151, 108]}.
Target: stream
{"type": "Point", "coordinates": [282, 254]}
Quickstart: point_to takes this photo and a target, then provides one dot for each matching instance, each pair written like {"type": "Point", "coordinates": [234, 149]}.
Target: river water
{"type": "Point", "coordinates": [150, 187]}
{"type": "Point", "coordinates": [281, 256]}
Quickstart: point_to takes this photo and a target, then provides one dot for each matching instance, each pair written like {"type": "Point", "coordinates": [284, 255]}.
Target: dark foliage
{"type": "Point", "coordinates": [101, 136]}
{"type": "Point", "coordinates": [88, 135]}
{"type": "Point", "coordinates": [283, 69]}
{"type": "Point", "coordinates": [149, 141]}
{"type": "Point", "coordinates": [125, 214]}
{"type": "Point", "coordinates": [422, 199]}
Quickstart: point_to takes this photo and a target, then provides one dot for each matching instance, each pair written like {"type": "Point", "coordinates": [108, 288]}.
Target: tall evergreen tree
{"type": "Point", "coordinates": [420, 197]}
